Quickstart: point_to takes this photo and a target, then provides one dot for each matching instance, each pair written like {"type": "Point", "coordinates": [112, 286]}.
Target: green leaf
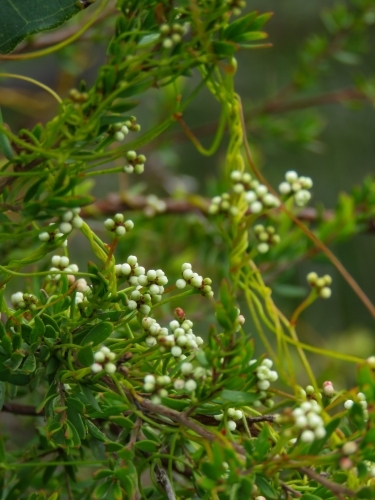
{"type": "Point", "coordinates": [240, 26]}
{"type": "Point", "coordinates": [123, 422]}
{"type": "Point", "coordinates": [22, 18]}
{"type": "Point", "coordinates": [146, 445]}
{"type": "Point", "coordinates": [90, 398]}
{"type": "Point", "coordinates": [95, 432]}
{"type": "Point", "coordinates": [308, 496]}
{"type": "Point", "coordinates": [76, 421]}
{"type": "Point", "coordinates": [38, 330]}
{"type": "Point", "coordinates": [238, 397]}
{"type": "Point", "coordinates": [86, 356]}
{"type": "Point", "coordinates": [29, 365]}
{"type": "Point", "coordinates": [98, 334]}
{"type": "Point", "coordinates": [265, 487]}
{"type": "Point", "coordinates": [102, 473]}
{"type": "Point", "coordinates": [175, 404]}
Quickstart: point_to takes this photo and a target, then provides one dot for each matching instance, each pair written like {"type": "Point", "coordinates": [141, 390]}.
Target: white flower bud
{"type": "Point", "coordinates": [120, 231]}
{"type": "Point", "coordinates": [151, 341]}
{"type": "Point", "coordinates": [96, 368]}
{"type": "Point", "coordinates": [256, 207]}
{"type": "Point", "coordinates": [328, 389]}
{"type": "Point", "coordinates": [176, 351]}
{"type": "Point", "coordinates": [285, 188]}
{"type": "Point", "coordinates": [65, 227]}
{"type": "Point", "coordinates": [179, 384]}
{"type": "Point", "coordinates": [190, 385]}
{"type": "Point", "coordinates": [99, 356]}
{"type": "Point", "coordinates": [348, 404]}
{"type": "Point", "coordinates": [109, 224]}
{"type": "Point", "coordinates": [110, 368]}
{"type": "Point", "coordinates": [44, 236]}
{"type": "Point", "coordinates": [291, 176]}
{"type": "Point", "coordinates": [55, 261]}
{"type": "Point", "coordinates": [64, 261]}
{"type": "Point", "coordinates": [180, 284]}
{"type": "Point", "coordinates": [307, 436]}
{"type": "Point", "coordinates": [231, 425]}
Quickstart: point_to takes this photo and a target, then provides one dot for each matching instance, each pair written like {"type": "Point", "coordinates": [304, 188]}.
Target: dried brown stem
{"type": "Point", "coordinates": [18, 409]}
{"type": "Point", "coordinates": [115, 203]}
{"type": "Point", "coordinates": [337, 489]}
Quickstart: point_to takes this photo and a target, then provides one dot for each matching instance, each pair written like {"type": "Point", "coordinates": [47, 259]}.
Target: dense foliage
{"type": "Point", "coordinates": [129, 397]}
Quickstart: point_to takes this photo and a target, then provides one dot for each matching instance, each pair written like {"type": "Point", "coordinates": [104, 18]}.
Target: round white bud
{"type": "Point", "coordinates": [180, 284]}
{"type": "Point", "coordinates": [190, 385]}
{"type": "Point", "coordinates": [110, 368]}
{"type": "Point", "coordinates": [65, 227]}
{"type": "Point", "coordinates": [291, 176]}
{"type": "Point", "coordinates": [307, 436]}
{"type": "Point", "coordinates": [231, 425]}
{"type": "Point", "coordinates": [96, 368]}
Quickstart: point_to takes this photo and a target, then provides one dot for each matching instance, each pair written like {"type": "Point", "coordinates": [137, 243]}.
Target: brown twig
{"type": "Point", "coordinates": [18, 409]}
{"type": "Point", "coordinates": [191, 424]}
{"type": "Point", "coordinates": [337, 489]}
{"type": "Point", "coordinates": [163, 479]}
{"type": "Point", "coordinates": [115, 203]}
{"type": "Point", "coordinates": [288, 489]}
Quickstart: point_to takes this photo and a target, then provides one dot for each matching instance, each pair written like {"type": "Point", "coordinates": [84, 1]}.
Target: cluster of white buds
{"type": "Point", "coordinates": [172, 35]}
{"type": "Point", "coordinates": [22, 300]}
{"type": "Point", "coordinates": [328, 389]}
{"type": "Point", "coordinates": [154, 206]}
{"type": "Point", "coordinates": [371, 362]}
{"type": "Point", "coordinates": [118, 226]}
{"type": "Point", "coordinates": [135, 163]}
{"type": "Point", "coordinates": [222, 204]}
{"type": "Point", "coordinates": [191, 373]}
{"type": "Point", "coordinates": [259, 198]}
{"type": "Point", "coordinates": [149, 285]}
{"type": "Point", "coordinates": [236, 6]}
{"type": "Point", "coordinates": [156, 385]}
{"type": "Point", "coordinates": [232, 415]}
{"type": "Point", "coordinates": [180, 342]}
{"type": "Point", "coordinates": [361, 398]}
{"type": "Point", "coordinates": [265, 376]}
{"type": "Point", "coordinates": [194, 280]}
{"type": "Point", "coordinates": [60, 263]}
{"type": "Point", "coordinates": [83, 290]}
{"type": "Point", "coordinates": [307, 419]}
{"type": "Point", "coordinates": [50, 236]}
{"type": "Point", "coordinates": [297, 186]}
{"type": "Point", "coordinates": [256, 194]}
{"type": "Point", "coordinates": [132, 124]}
{"type": "Point", "coordinates": [70, 219]}
{"type": "Point", "coordinates": [119, 130]}
{"type": "Point", "coordinates": [266, 237]}
{"type": "Point", "coordinates": [103, 361]}
{"type": "Point", "coordinates": [321, 285]}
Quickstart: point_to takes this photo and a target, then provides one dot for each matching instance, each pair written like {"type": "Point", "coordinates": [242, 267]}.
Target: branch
{"type": "Point", "coordinates": [18, 409]}
{"type": "Point", "coordinates": [115, 203]}
{"type": "Point", "coordinates": [180, 418]}
{"type": "Point", "coordinates": [337, 489]}
{"type": "Point", "coordinates": [163, 479]}
{"type": "Point", "coordinates": [337, 96]}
